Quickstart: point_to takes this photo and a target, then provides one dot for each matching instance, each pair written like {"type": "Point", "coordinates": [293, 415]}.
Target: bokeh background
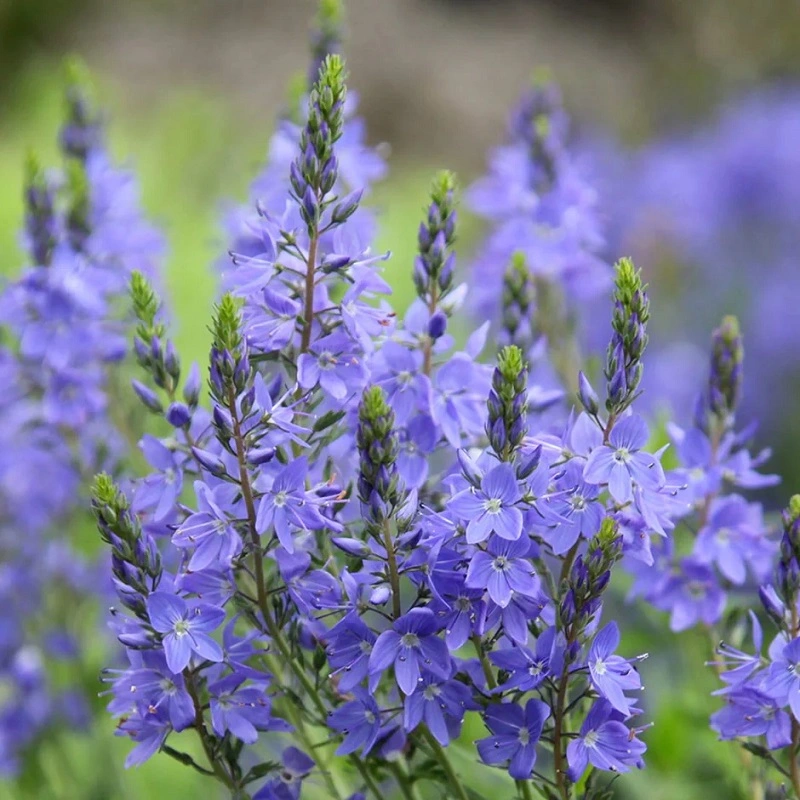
{"type": "Point", "coordinates": [687, 113]}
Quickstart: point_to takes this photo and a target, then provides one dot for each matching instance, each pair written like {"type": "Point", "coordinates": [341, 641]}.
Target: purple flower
{"type": "Point", "coordinates": [502, 569]}
{"type": "Point", "coordinates": [335, 363]}
{"type": "Point", "coordinates": [160, 489]}
{"type": "Point", "coordinates": [782, 679]}
{"type": "Point", "coordinates": [287, 786]}
{"type": "Point", "coordinates": [407, 389]}
{"type": "Point", "coordinates": [751, 712]}
{"type": "Point", "coordinates": [350, 644]}
{"type": "Point", "coordinates": [149, 731]}
{"type": "Point", "coordinates": [527, 670]}
{"type": "Point", "coordinates": [456, 611]}
{"type": "Point", "coordinates": [612, 675]}
{"type": "Point", "coordinates": [360, 721]}
{"type": "Point", "coordinates": [154, 686]}
{"type": "Point", "coordinates": [729, 537]}
{"type": "Point", "coordinates": [286, 505]}
{"type": "Point", "coordinates": [605, 743]}
{"type": "Point", "coordinates": [516, 733]}
{"type": "Point", "coordinates": [185, 629]}
{"type": "Point", "coordinates": [210, 530]}
{"type": "Point", "coordinates": [692, 595]}
{"type": "Point", "coordinates": [441, 705]}
{"type": "Point", "coordinates": [622, 462]}
{"type": "Point", "coordinates": [577, 509]}
{"type": "Point", "coordinates": [244, 711]}
{"type": "Point", "coordinates": [491, 508]}
{"type": "Point", "coordinates": [411, 646]}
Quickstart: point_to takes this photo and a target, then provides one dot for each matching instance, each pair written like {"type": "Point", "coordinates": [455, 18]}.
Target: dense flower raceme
{"type": "Point", "coordinates": [761, 690]}
{"type": "Point", "coordinates": [731, 546]}
{"type": "Point", "coordinates": [373, 534]}
{"type": "Point", "coordinates": [64, 330]}
{"type": "Point", "coordinates": [541, 261]}
{"type": "Point", "coordinates": [702, 206]}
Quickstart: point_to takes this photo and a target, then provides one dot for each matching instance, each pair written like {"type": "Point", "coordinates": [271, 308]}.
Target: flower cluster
{"type": "Point", "coordinates": [703, 207]}
{"type": "Point", "coordinates": [543, 251]}
{"type": "Point", "coordinates": [762, 690]}
{"type": "Point", "coordinates": [370, 540]}
{"type": "Point", "coordinates": [377, 530]}
{"type": "Point", "coordinates": [730, 543]}
{"type": "Point", "coordinates": [64, 334]}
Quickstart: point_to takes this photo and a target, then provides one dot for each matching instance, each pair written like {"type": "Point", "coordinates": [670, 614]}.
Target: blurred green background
{"type": "Point", "coordinates": [192, 88]}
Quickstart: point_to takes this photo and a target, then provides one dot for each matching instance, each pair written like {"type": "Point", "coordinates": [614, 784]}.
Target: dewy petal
{"type": "Point", "coordinates": [434, 718]}
{"type": "Point", "coordinates": [413, 710]}
{"type": "Point", "coordinates": [435, 656]}
{"type": "Point", "coordinates": [497, 749]}
{"type": "Point", "coordinates": [406, 670]}
{"type": "Point", "coordinates": [504, 719]}
{"type": "Point", "coordinates": [384, 652]}
{"type": "Point", "coordinates": [521, 577]}
{"type": "Point", "coordinates": [480, 570]}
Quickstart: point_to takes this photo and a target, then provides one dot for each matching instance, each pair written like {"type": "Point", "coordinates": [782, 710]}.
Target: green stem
{"type": "Point", "coordinates": [487, 667]}
{"type": "Point", "coordinates": [200, 726]}
{"type": "Point", "coordinates": [407, 788]}
{"type": "Point", "coordinates": [525, 790]}
{"type": "Point", "coordinates": [272, 627]}
{"type": "Point", "coordinates": [394, 575]}
{"type": "Point", "coordinates": [308, 307]}
{"type": "Point", "coordinates": [458, 790]}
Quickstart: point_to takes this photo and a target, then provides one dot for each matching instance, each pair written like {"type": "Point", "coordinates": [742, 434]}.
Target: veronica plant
{"type": "Point", "coordinates": [540, 263]}
{"type": "Point", "coordinates": [63, 337]}
{"type": "Point", "coordinates": [379, 546]}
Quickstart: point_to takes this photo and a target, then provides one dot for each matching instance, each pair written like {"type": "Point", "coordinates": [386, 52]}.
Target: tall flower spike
{"type": "Point", "coordinates": [590, 576]}
{"type": "Point", "coordinates": [725, 379]}
{"type": "Point", "coordinates": [378, 480]}
{"type": "Point", "coordinates": [315, 171]}
{"type": "Point", "coordinates": [540, 121]}
{"type": "Point", "coordinates": [82, 131]}
{"type": "Point", "coordinates": [135, 559]}
{"type": "Point", "coordinates": [433, 270]}
{"type": "Point", "coordinates": [624, 367]}
{"type": "Point", "coordinates": [508, 403]}
{"type": "Point", "coordinates": [153, 353]}
{"type": "Point", "coordinates": [40, 215]}
{"type": "Point", "coordinates": [326, 36]}
{"type": "Point", "coordinates": [78, 223]}
{"type": "Point", "coordinates": [789, 561]}
{"type": "Point", "coordinates": [519, 297]}
{"type": "Point", "coordinates": [230, 365]}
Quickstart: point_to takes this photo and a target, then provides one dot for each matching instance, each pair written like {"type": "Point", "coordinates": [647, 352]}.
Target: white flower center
{"type": "Point", "coordinates": [493, 506]}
